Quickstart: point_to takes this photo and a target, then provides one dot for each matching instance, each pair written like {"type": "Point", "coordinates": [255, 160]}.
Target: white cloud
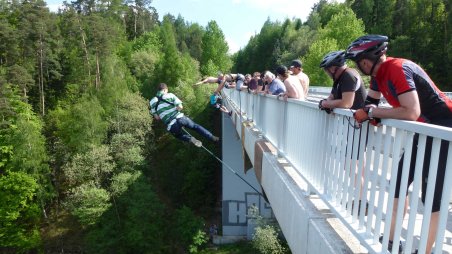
{"type": "Point", "coordinates": [233, 45]}
{"type": "Point", "coordinates": [55, 7]}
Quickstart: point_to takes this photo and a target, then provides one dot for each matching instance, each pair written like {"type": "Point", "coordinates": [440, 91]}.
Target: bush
{"type": "Point", "coordinates": [266, 241]}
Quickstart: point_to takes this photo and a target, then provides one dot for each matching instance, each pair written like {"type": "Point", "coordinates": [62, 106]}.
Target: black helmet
{"type": "Point", "coordinates": [335, 58]}
{"type": "Point", "coordinates": [368, 46]}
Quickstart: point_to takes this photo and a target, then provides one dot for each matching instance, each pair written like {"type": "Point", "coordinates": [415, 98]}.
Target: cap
{"type": "Point", "coordinates": [296, 63]}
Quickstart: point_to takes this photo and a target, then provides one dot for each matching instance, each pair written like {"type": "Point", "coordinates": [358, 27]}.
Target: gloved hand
{"type": "Point", "coordinates": [327, 110]}
{"type": "Point", "coordinates": [375, 121]}
{"type": "Point", "coordinates": [361, 114]}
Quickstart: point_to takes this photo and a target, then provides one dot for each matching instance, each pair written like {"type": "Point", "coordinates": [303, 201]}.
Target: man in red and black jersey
{"type": "Point", "coordinates": [413, 96]}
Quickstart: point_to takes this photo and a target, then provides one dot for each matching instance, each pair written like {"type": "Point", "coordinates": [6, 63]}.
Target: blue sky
{"type": "Point", "coordinates": [238, 19]}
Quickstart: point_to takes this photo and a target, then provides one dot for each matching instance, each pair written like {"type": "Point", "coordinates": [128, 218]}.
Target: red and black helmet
{"type": "Point", "coordinates": [368, 47]}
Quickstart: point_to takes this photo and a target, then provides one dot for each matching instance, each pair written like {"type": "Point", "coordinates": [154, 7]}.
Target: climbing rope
{"type": "Point", "coordinates": [230, 169]}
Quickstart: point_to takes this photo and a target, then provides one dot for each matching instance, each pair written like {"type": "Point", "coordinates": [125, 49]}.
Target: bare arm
{"type": "Point", "coordinates": [156, 117]}
{"type": "Point", "coordinates": [409, 108]}
{"type": "Point", "coordinates": [208, 80]}
{"type": "Point", "coordinates": [345, 102]}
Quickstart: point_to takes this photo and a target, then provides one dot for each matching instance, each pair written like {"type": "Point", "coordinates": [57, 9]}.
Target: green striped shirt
{"type": "Point", "coordinates": [166, 111]}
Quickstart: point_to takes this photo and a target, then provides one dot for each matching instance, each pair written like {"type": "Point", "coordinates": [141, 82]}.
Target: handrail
{"type": "Point", "coordinates": [336, 159]}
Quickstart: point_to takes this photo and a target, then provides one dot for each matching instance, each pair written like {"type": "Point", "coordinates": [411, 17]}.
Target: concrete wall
{"type": "Point", "coordinates": [306, 222]}
{"type": "Point", "coordinates": [237, 195]}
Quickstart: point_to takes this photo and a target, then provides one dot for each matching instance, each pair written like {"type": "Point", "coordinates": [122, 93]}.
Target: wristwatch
{"type": "Point", "coordinates": [369, 113]}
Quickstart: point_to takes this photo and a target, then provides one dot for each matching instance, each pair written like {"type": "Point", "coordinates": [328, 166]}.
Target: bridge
{"type": "Point", "coordinates": [315, 167]}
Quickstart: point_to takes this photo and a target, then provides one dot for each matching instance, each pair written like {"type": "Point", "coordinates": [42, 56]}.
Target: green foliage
{"type": "Point", "coordinates": [295, 41]}
{"type": "Point", "coordinates": [131, 115]}
{"type": "Point", "coordinates": [20, 76]}
{"type": "Point", "coordinates": [19, 212]}
{"type": "Point", "coordinates": [342, 26]}
{"type": "Point", "coordinates": [143, 58]}
{"type": "Point", "coordinates": [214, 49]}
{"type": "Point", "coordinates": [121, 182]}
{"type": "Point", "coordinates": [126, 151]}
{"type": "Point", "coordinates": [136, 224]}
{"type": "Point", "coordinates": [22, 132]}
{"type": "Point", "coordinates": [81, 125]}
{"type": "Point", "coordinates": [334, 36]}
{"type": "Point", "coordinates": [265, 239]}
{"type": "Point", "coordinates": [169, 67]}
{"type": "Point", "coordinates": [189, 229]}
{"type": "Point", "coordinates": [418, 30]}
{"type": "Point", "coordinates": [149, 41]}
{"type": "Point", "coordinates": [143, 64]}
{"type": "Point", "coordinates": [327, 10]}
{"type": "Point", "coordinates": [258, 54]}
{"type": "Point", "coordinates": [95, 165]}
{"type": "Point", "coordinates": [98, 129]}
{"type": "Point", "coordinates": [312, 60]}
{"type": "Point", "coordinates": [88, 202]}
{"type": "Point", "coordinates": [200, 238]}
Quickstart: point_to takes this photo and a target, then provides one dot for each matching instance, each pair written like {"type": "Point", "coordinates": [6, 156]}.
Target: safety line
{"type": "Point", "coordinates": [224, 163]}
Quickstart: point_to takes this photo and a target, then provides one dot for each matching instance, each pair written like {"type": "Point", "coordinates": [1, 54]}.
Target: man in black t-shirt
{"type": "Point", "coordinates": [348, 88]}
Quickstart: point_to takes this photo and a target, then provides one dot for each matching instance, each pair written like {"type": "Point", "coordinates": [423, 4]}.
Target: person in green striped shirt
{"type": "Point", "coordinates": [166, 107]}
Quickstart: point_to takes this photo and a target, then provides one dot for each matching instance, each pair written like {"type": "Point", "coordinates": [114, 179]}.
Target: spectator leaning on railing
{"type": "Point", "coordinates": [253, 84]}
{"type": "Point", "coordinates": [293, 86]}
{"type": "Point", "coordinates": [297, 71]}
{"type": "Point", "coordinates": [232, 81]}
{"type": "Point", "coordinates": [275, 86]}
{"type": "Point", "coordinates": [348, 89]}
{"type": "Point", "coordinates": [413, 96]}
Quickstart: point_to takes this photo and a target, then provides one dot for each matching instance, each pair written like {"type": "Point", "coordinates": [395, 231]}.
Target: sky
{"type": "Point", "coordinates": [238, 19]}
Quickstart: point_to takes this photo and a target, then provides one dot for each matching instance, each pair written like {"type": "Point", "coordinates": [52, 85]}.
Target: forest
{"type": "Point", "coordinates": [83, 166]}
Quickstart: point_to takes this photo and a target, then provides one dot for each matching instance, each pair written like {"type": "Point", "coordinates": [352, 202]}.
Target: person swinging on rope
{"type": "Point", "coordinates": [166, 107]}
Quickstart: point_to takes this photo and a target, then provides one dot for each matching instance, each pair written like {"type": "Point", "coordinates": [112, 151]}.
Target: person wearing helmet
{"type": "Point", "coordinates": [413, 96]}
{"type": "Point", "coordinates": [348, 91]}
{"type": "Point", "coordinates": [348, 88]}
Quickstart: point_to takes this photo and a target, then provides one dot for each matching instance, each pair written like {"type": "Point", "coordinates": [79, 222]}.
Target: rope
{"type": "Point", "coordinates": [230, 169]}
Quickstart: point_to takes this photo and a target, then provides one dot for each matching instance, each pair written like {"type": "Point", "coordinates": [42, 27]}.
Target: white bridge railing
{"type": "Point", "coordinates": [336, 160]}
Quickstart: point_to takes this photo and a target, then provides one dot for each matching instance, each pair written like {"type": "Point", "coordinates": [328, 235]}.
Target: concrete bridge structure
{"type": "Point", "coordinates": [312, 167]}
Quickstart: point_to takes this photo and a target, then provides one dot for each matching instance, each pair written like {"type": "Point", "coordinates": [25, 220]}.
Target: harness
{"type": "Point", "coordinates": [159, 99]}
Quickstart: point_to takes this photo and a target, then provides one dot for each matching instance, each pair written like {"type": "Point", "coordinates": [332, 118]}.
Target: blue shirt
{"type": "Point", "coordinates": [276, 87]}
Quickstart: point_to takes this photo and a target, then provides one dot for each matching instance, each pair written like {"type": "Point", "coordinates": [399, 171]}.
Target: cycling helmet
{"type": "Point", "coordinates": [368, 46]}
{"type": "Point", "coordinates": [335, 58]}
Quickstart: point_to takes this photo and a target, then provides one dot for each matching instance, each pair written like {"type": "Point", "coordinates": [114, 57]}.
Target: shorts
{"type": "Point", "coordinates": [441, 170]}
